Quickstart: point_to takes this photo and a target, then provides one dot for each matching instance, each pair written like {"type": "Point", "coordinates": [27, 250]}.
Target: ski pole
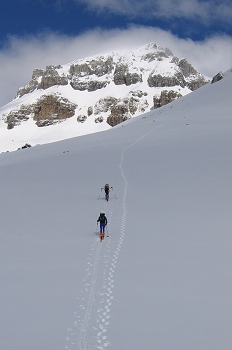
{"type": "Point", "coordinates": [107, 231]}
{"type": "Point", "coordinates": [114, 193]}
{"type": "Point", "coordinates": [100, 194]}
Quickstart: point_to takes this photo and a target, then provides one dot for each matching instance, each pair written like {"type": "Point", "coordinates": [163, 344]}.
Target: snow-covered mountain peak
{"type": "Point", "coordinates": [95, 93]}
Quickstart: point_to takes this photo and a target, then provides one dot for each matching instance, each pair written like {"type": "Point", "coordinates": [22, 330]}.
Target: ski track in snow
{"type": "Point", "coordinates": [82, 341]}
{"type": "Point", "coordinates": [78, 335]}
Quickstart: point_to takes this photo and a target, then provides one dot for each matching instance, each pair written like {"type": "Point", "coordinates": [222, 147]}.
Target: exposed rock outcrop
{"type": "Point", "coordinates": [119, 113]}
{"type": "Point", "coordinates": [119, 109]}
{"type": "Point", "coordinates": [33, 83]}
{"type": "Point", "coordinates": [196, 84]}
{"type": "Point", "coordinates": [16, 117]}
{"type": "Point", "coordinates": [165, 98]}
{"type": "Point", "coordinates": [99, 67]}
{"type": "Point", "coordinates": [125, 108]}
{"type": "Point", "coordinates": [151, 68]}
{"type": "Point", "coordinates": [80, 74]}
{"type": "Point", "coordinates": [52, 109]}
{"type": "Point", "coordinates": [89, 85]}
{"type": "Point", "coordinates": [178, 79]}
{"type": "Point", "coordinates": [43, 79]}
{"type": "Point", "coordinates": [123, 76]}
{"type": "Point", "coordinates": [157, 56]}
{"type": "Point", "coordinates": [81, 118]}
{"type": "Point", "coordinates": [90, 111]}
{"type": "Point", "coordinates": [27, 145]}
{"type": "Point", "coordinates": [158, 80]}
{"type": "Point", "coordinates": [51, 77]}
{"type": "Point", "coordinates": [103, 105]}
{"type": "Point", "coordinates": [80, 70]}
{"type": "Point", "coordinates": [217, 77]}
{"type": "Point", "coordinates": [186, 68]}
{"type": "Point", "coordinates": [99, 120]}
{"type": "Point", "coordinates": [48, 110]}
{"type": "Point", "coordinates": [193, 80]}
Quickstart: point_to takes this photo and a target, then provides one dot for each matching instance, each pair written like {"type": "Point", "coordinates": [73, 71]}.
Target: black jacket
{"type": "Point", "coordinates": [102, 220]}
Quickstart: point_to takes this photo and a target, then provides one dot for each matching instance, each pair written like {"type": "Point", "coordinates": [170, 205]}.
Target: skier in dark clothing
{"type": "Point", "coordinates": [107, 190]}
{"type": "Point", "coordinates": [103, 222]}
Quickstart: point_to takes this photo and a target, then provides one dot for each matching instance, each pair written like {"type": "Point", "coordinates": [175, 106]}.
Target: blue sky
{"type": "Point", "coordinates": [35, 33]}
{"type": "Point", "coordinates": [194, 19]}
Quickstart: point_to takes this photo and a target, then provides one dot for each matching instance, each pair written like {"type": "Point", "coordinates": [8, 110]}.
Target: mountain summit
{"type": "Point", "coordinates": [95, 93]}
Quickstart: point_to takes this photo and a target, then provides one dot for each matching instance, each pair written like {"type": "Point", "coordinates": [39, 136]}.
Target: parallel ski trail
{"type": "Point", "coordinates": [83, 334]}
{"type": "Point", "coordinates": [105, 292]}
{"type": "Point", "coordinates": [77, 336]}
{"type": "Point", "coordinates": [104, 312]}
{"type": "Point", "coordinates": [82, 341]}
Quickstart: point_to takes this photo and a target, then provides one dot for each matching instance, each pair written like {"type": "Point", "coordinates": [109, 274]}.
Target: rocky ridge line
{"type": "Point", "coordinates": [141, 69]}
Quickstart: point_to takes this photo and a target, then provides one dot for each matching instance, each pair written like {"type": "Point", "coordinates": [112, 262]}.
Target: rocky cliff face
{"type": "Point", "coordinates": [165, 98]}
{"type": "Point", "coordinates": [52, 109]}
{"type": "Point", "coordinates": [110, 88]}
{"type": "Point", "coordinates": [217, 77]}
{"type": "Point", "coordinates": [43, 80]}
{"type": "Point", "coordinates": [47, 110]}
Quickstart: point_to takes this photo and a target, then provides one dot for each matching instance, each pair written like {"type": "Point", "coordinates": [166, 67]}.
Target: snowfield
{"type": "Point", "coordinates": [162, 279]}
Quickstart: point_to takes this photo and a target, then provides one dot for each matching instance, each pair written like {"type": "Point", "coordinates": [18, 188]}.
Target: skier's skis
{"type": "Point", "coordinates": [102, 238]}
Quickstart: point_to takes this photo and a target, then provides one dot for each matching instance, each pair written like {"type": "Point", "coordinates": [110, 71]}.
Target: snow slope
{"type": "Point", "coordinates": [162, 279]}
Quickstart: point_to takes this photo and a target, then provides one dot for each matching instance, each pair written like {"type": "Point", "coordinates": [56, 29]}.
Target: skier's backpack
{"type": "Point", "coordinates": [107, 187]}
{"type": "Point", "coordinates": [102, 216]}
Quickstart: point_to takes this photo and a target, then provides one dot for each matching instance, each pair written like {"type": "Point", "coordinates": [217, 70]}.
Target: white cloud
{"type": "Point", "coordinates": [21, 56]}
{"type": "Point", "coordinates": [205, 11]}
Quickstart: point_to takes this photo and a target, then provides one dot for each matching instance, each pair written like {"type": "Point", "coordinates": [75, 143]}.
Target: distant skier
{"type": "Point", "coordinates": [103, 222]}
{"type": "Point", "coordinates": [107, 190]}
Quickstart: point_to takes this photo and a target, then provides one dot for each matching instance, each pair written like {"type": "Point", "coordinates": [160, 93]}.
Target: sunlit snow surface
{"type": "Point", "coordinates": [162, 279]}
